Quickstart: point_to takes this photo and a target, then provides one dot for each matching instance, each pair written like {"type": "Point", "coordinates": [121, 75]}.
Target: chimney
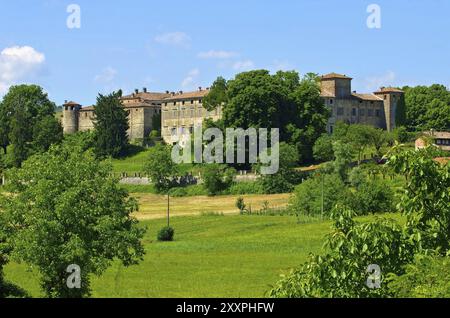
{"type": "Point", "coordinates": [199, 88]}
{"type": "Point", "coordinates": [181, 92]}
{"type": "Point", "coordinates": [167, 92]}
{"type": "Point", "coordinates": [136, 91]}
{"type": "Point", "coordinates": [65, 101]}
{"type": "Point", "coordinates": [145, 89]}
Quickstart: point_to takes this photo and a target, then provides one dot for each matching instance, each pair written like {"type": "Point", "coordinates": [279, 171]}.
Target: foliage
{"type": "Point", "coordinates": [65, 209]}
{"type": "Point", "coordinates": [21, 109]}
{"type": "Point", "coordinates": [160, 167]}
{"type": "Point", "coordinates": [307, 197]}
{"type": "Point", "coordinates": [258, 99]}
{"type": "Point", "coordinates": [343, 154]}
{"type": "Point", "coordinates": [166, 234]}
{"type": "Point", "coordinates": [351, 248]}
{"type": "Point", "coordinates": [111, 125]}
{"type": "Point", "coordinates": [426, 198]}
{"type": "Point", "coordinates": [240, 204]}
{"type": "Point", "coordinates": [427, 107]}
{"type": "Point", "coordinates": [284, 180]}
{"type": "Point", "coordinates": [372, 196]}
{"type": "Point", "coordinates": [46, 132]}
{"type": "Point", "coordinates": [239, 188]}
{"type": "Point", "coordinates": [323, 148]}
{"type": "Point", "coordinates": [217, 178]}
{"type": "Point", "coordinates": [427, 277]}
{"type": "Point", "coordinates": [402, 135]}
{"type": "Point", "coordinates": [217, 94]}
{"type": "Point", "coordinates": [79, 142]}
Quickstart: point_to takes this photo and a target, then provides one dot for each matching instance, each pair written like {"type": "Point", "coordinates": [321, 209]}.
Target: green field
{"type": "Point", "coordinates": [212, 256]}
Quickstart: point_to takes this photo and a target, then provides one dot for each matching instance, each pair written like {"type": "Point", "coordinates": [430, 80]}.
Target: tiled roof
{"type": "Point", "coordinates": [388, 90]}
{"type": "Point", "coordinates": [71, 103]}
{"type": "Point", "coordinates": [188, 95]}
{"type": "Point", "coordinates": [87, 108]}
{"type": "Point", "coordinates": [335, 75]}
{"type": "Point", "coordinates": [370, 97]}
{"type": "Point", "coordinates": [152, 96]}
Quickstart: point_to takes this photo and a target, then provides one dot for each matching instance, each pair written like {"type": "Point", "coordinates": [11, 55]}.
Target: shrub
{"type": "Point", "coordinates": [426, 277]}
{"type": "Point", "coordinates": [166, 234]}
{"type": "Point", "coordinates": [307, 198]}
{"type": "Point", "coordinates": [240, 204]}
{"type": "Point", "coordinates": [217, 178]}
{"type": "Point", "coordinates": [372, 196]}
{"type": "Point", "coordinates": [342, 271]}
{"type": "Point", "coordinates": [239, 188]}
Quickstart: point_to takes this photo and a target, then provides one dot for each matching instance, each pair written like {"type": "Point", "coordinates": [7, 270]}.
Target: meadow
{"type": "Point", "coordinates": [212, 256]}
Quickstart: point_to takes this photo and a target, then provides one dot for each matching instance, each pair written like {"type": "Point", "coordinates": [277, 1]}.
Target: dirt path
{"type": "Point", "coordinates": [152, 206]}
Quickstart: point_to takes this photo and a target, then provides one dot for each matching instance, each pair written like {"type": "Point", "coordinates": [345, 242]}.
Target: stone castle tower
{"type": "Point", "coordinates": [71, 113]}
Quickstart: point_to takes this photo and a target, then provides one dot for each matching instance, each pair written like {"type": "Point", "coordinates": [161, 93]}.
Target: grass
{"type": "Point", "coordinates": [221, 256]}
{"type": "Point", "coordinates": [212, 256]}
{"type": "Point", "coordinates": [153, 206]}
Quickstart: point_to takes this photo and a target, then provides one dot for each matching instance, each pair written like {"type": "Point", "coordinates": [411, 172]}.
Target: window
{"type": "Point", "coordinates": [174, 103]}
{"type": "Point", "coordinates": [174, 131]}
{"type": "Point", "coordinates": [353, 111]}
{"type": "Point", "coordinates": [182, 102]}
{"type": "Point", "coordinates": [199, 101]}
{"type": "Point", "coordinates": [331, 129]}
{"type": "Point", "coordinates": [377, 113]}
{"type": "Point", "coordinates": [331, 102]}
{"type": "Point", "coordinates": [370, 112]}
{"type": "Point", "coordinates": [192, 101]}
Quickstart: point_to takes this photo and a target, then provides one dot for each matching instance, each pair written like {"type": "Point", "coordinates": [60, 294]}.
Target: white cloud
{"type": "Point", "coordinates": [18, 63]}
{"type": "Point", "coordinates": [242, 66]}
{"type": "Point", "coordinates": [281, 66]}
{"type": "Point", "coordinates": [212, 54]}
{"type": "Point", "coordinates": [106, 76]}
{"type": "Point", "coordinates": [190, 80]}
{"type": "Point", "coordinates": [375, 82]}
{"type": "Point", "coordinates": [174, 38]}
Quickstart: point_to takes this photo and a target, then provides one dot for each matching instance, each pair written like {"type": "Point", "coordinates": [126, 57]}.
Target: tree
{"type": "Point", "coordinates": [217, 94]}
{"type": "Point", "coordinates": [217, 178]}
{"type": "Point", "coordinates": [46, 132]}
{"type": "Point", "coordinates": [21, 109]}
{"type": "Point", "coordinates": [323, 148]}
{"type": "Point", "coordinates": [160, 167]}
{"type": "Point", "coordinates": [427, 106]}
{"type": "Point", "coordinates": [285, 179]}
{"type": "Point", "coordinates": [320, 191]}
{"type": "Point", "coordinates": [258, 99]}
{"type": "Point", "coordinates": [378, 138]}
{"type": "Point", "coordinates": [425, 201]}
{"type": "Point", "coordinates": [111, 125]}
{"type": "Point", "coordinates": [342, 271]}
{"type": "Point", "coordinates": [343, 153]}
{"type": "Point", "coordinates": [66, 209]}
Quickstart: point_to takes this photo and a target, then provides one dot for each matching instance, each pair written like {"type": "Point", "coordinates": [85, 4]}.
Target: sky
{"type": "Point", "coordinates": [181, 45]}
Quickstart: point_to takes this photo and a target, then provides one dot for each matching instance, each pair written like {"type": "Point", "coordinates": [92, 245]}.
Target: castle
{"type": "Point", "coordinates": [180, 112]}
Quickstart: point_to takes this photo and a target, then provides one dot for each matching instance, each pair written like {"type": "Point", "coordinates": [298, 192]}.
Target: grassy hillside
{"type": "Point", "coordinates": [212, 256]}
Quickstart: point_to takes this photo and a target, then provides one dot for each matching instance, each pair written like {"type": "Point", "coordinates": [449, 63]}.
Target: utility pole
{"type": "Point", "coordinates": [322, 195]}
{"type": "Point", "coordinates": [168, 208]}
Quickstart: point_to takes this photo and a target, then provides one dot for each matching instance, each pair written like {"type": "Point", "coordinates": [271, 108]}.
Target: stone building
{"type": "Point", "coordinates": [142, 107]}
{"type": "Point", "coordinates": [440, 139]}
{"type": "Point", "coordinates": [377, 109]}
{"type": "Point", "coordinates": [182, 112]}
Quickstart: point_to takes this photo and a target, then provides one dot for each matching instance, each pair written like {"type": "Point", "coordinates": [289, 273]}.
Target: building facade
{"type": "Point", "coordinates": [440, 139]}
{"type": "Point", "coordinates": [181, 112]}
{"type": "Point", "coordinates": [141, 106]}
{"type": "Point", "coordinates": [377, 109]}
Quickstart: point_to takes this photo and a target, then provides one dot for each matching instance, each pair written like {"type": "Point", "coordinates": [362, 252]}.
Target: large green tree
{"type": "Point", "coordinates": [22, 108]}
{"type": "Point", "coordinates": [259, 99]}
{"type": "Point", "coordinates": [111, 125]}
{"type": "Point", "coordinates": [64, 208]}
{"type": "Point", "coordinates": [160, 167]}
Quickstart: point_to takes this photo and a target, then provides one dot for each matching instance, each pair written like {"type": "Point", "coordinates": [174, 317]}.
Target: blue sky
{"type": "Point", "coordinates": [180, 45]}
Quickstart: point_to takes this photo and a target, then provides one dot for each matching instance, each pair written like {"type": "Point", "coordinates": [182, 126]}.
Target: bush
{"type": "Point", "coordinates": [426, 277]}
{"type": "Point", "coordinates": [239, 188]}
{"type": "Point", "coordinates": [351, 248]}
{"type": "Point", "coordinates": [307, 198]}
{"type": "Point", "coordinates": [217, 178]}
{"type": "Point", "coordinates": [372, 196]}
{"type": "Point", "coordinates": [166, 234]}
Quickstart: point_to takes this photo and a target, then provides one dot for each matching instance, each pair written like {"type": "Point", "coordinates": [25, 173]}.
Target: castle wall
{"type": "Point", "coordinates": [355, 111]}
{"type": "Point", "coordinates": [86, 120]}
{"type": "Point", "coordinates": [70, 120]}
